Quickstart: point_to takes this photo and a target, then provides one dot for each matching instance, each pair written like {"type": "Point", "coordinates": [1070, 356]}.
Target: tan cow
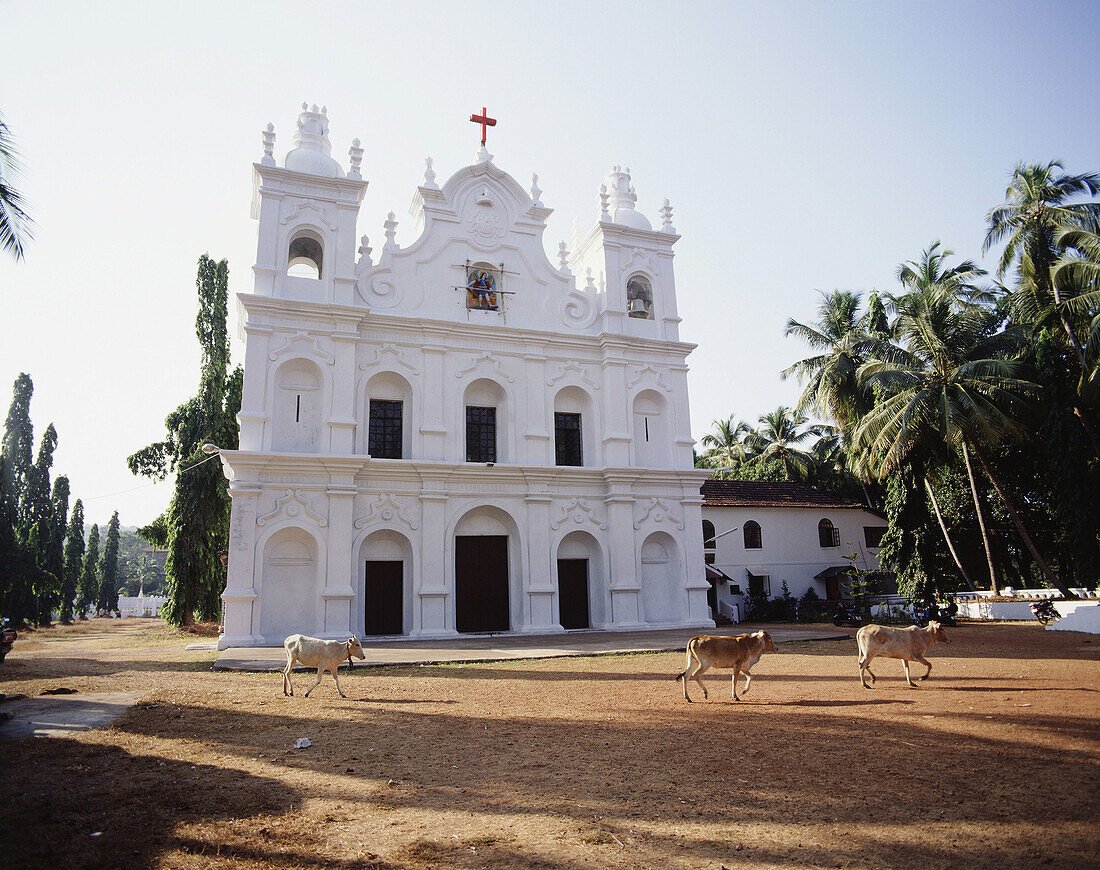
{"type": "Point", "coordinates": [740, 653]}
{"type": "Point", "coordinates": [908, 644]}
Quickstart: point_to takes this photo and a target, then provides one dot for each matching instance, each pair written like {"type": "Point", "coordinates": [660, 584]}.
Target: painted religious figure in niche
{"type": "Point", "coordinates": [481, 289]}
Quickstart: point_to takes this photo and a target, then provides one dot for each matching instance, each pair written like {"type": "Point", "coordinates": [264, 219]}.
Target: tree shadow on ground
{"type": "Point", "coordinates": [122, 809]}
{"type": "Point", "coordinates": [634, 776]}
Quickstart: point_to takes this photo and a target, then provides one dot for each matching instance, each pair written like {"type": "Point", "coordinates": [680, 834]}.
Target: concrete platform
{"type": "Point", "coordinates": [489, 648]}
{"type": "Point", "coordinates": [61, 715]}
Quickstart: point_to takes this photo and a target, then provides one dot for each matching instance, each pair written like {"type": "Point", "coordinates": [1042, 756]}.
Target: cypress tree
{"type": "Point", "coordinates": [74, 556]}
{"type": "Point", "coordinates": [198, 517]}
{"type": "Point", "coordinates": [45, 587]}
{"type": "Point", "coordinates": [15, 569]}
{"type": "Point", "coordinates": [88, 588]}
{"type": "Point", "coordinates": [108, 569]}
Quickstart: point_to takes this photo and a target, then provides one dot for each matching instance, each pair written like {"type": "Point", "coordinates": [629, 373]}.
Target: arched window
{"type": "Point", "coordinates": [639, 297]}
{"type": "Point", "coordinates": [828, 534]}
{"type": "Point", "coordinates": [708, 535]}
{"type": "Point", "coordinates": [752, 535]}
{"type": "Point", "coordinates": [305, 255]}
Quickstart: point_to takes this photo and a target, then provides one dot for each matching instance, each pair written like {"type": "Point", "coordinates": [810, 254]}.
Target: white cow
{"type": "Point", "coordinates": [325, 655]}
{"type": "Point", "coordinates": [908, 644]}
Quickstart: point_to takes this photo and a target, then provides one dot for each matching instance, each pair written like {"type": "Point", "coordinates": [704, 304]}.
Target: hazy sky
{"type": "Point", "coordinates": [804, 147]}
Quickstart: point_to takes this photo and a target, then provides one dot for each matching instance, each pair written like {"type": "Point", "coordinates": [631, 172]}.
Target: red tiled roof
{"type": "Point", "coordinates": [759, 493]}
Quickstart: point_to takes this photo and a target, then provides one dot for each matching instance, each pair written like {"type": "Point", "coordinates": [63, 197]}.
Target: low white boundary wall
{"type": "Point", "coordinates": [1081, 615]}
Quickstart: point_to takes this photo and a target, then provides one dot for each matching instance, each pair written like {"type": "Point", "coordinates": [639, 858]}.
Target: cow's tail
{"type": "Point", "coordinates": [690, 655]}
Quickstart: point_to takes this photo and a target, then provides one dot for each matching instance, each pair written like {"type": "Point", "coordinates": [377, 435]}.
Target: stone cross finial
{"type": "Point", "coordinates": [666, 218]}
{"type": "Point", "coordinates": [355, 155]}
{"type": "Point", "coordinates": [536, 191]}
{"type": "Point", "coordinates": [391, 232]}
{"type": "Point", "coordinates": [269, 146]}
{"type": "Point", "coordinates": [563, 257]}
{"type": "Point", "coordinates": [605, 215]}
{"type": "Point", "coordinates": [429, 174]}
{"type": "Point", "coordinates": [364, 255]}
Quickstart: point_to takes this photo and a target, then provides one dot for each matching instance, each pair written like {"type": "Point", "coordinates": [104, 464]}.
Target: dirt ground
{"type": "Point", "coordinates": [562, 763]}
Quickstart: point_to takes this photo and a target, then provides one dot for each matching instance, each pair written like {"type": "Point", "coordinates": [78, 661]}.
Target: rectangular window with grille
{"type": "Point", "coordinates": [567, 439]}
{"type": "Point", "coordinates": [384, 429]}
{"type": "Point", "coordinates": [481, 434]}
{"type": "Point", "coordinates": [873, 535]}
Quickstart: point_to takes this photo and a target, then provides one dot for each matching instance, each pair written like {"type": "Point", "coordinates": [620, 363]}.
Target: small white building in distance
{"type": "Point", "coordinates": [756, 535]}
{"type": "Point", "coordinates": [452, 433]}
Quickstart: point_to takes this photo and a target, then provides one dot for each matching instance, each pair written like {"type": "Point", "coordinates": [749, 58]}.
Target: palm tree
{"type": "Point", "coordinates": [726, 447]}
{"type": "Point", "coordinates": [1076, 276]}
{"type": "Point", "coordinates": [778, 437]}
{"type": "Point", "coordinates": [1031, 221]}
{"type": "Point", "coordinates": [954, 385]}
{"type": "Point", "coordinates": [939, 290]}
{"type": "Point", "coordinates": [832, 389]}
{"type": "Point", "coordinates": [14, 220]}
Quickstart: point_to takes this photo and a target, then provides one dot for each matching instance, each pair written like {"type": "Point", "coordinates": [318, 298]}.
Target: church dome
{"type": "Point", "coordinates": [623, 198]}
{"type": "Point", "coordinates": [312, 150]}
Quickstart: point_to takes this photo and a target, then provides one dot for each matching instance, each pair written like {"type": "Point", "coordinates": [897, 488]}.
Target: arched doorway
{"type": "Point", "coordinates": [485, 542]}
{"type": "Point", "coordinates": [288, 600]}
{"type": "Point", "coordinates": [661, 579]}
{"type": "Point", "coordinates": [386, 559]}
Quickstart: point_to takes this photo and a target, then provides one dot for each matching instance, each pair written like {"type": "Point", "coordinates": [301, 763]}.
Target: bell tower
{"type": "Point", "coordinates": [634, 262]}
{"type": "Point", "coordinates": [307, 211]}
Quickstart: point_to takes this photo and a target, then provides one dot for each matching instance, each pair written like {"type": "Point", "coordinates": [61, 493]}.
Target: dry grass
{"type": "Point", "coordinates": [563, 763]}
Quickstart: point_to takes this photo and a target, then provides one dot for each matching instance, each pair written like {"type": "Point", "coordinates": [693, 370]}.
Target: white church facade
{"type": "Point", "coordinates": [459, 435]}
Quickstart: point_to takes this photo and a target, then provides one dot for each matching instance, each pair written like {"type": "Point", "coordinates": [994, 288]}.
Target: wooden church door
{"type": "Point", "coordinates": [384, 598]}
{"type": "Point", "coordinates": [481, 583]}
{"type": "Point", "coordinates": [573, 593]}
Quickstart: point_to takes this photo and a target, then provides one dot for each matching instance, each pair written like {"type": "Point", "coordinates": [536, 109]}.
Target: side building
{"type": "Point", "coordinates": [460, 435]}
{"type": "Point", "coordinates": [756, 535]}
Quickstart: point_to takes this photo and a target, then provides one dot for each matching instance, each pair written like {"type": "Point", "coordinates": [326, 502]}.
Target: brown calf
{"type": "Point", "coordinates": [740, 653]}
{"type": "Point", "coordinates": [908, 644]}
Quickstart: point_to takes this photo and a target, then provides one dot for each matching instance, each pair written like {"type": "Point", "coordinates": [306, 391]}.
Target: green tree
{"type": "Point", "coordinates": [726, 445]}
{"type": "Point", "coordinates": [777, 439]}
{"type": "Point", "coordinates": [88, 589]}
{"type": "Point", "coordinates": [55, 550]}
{"type": "Point", "coordinates": [198, 517]}
{"type": "Point", "coordinates": [74, 556]}
{"type": "Point", "coordinates": [1031, 223]}
{"type": "Point", "coordinates": [833, 390]}
{"type": "Point", "coordinates": [38, 531]}
{"type": "Point", "coordinates": [15, 223]}
{"type": "Point", "coordinates": [107, 595]}
{"type": "Point", "coordinates": [952, 386]}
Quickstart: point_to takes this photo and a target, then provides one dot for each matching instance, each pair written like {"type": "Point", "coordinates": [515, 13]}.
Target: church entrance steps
{"type": "Point", "coordinates": [489, 648]}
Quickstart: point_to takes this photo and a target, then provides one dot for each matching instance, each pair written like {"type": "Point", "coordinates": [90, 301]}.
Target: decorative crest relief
{"type": "Point", "coordinates": [491, 361]}
{"type": "Point", "coordinates": [579, 370]}
{"type": "Point", "coordinates": [296, 342]}
{"type": "Point", "coordinates": [654, 375]}
{"type": "Point", "coordinates": [639, 258]}
{"type": "Point", "coordinates": [659, 512]}
{"type": "Point", "coordinates": [484, 224]}
{"type": "Point", "coordinates": [320, 211]}
{"type": "Point", "coordinates": [577, 511]}
{"type": "Point", "coordinates": [391, 351]}
{"type": "Point", "coordinates": [387, 509]}
{"type": "Point", "coordinates": [292, 504]}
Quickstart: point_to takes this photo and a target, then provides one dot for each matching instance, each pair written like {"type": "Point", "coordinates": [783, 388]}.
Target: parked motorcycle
{"type": "Point", "coordinates": [933, 613]}
{"type": "Point", "coordinates": [846, 615]}
{"type": "Point", "coordinates": [1045, 611]}
{"type": "Point", "coordinates": [7, 638]}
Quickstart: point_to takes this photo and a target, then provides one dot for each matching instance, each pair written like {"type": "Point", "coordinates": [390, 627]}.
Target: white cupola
{"type": "Point", "coordinates": [312, 150]}
{"type": "Point", "coordinates": [623, 197]}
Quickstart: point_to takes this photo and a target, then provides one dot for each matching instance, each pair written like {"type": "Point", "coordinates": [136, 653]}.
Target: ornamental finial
{"type": "Point", "coordinates": [355, 156]}
{"type": "Point", "coordinates": [429, 175]}
{"type": "Point", "coordinates": [666, 218]}
{"type": "Point", "coordinates": [536, 191]}
{"type": "Point", "coordinates": [269, 146]}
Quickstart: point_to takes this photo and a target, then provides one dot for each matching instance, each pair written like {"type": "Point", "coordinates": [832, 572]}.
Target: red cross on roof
{"type": "Point", "coordinates": [485, 121]}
